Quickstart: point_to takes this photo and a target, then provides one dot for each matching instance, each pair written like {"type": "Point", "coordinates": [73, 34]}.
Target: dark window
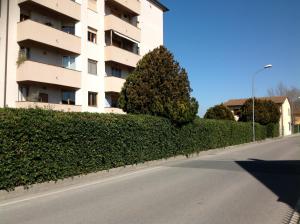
{"type": "Point", "coordinates": [68, 97]}
{"type": "Point", "coordinates": [92, 99]}
{"type": "Point", "coordinates": [68, 29]}
{"type": "Point", "coordinates": [113, 99]}
{"type": "Point", "coordinates": [24, 93]}
{"type": "Point", "coordinates": [43, 97]}
{"type": "Point", "coordinates": [48, 24]}
{"type": "Point", "coordinates": [116, 72]}
{"type": "Point", "coordinates": [25, 52]}
{"type": "Point", "coordinates": [23, 17]}
{"type": "Point", "coordinates": [92, 35]}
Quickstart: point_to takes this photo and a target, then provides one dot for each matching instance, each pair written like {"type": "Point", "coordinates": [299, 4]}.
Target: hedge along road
{"type": "Point", "coordinates": [39, 146]}
{"type": "Point", "coordinates": [257, 183]}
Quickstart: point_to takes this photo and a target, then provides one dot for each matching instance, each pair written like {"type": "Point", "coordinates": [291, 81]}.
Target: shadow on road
{"type": "Point", "coordinates": [281, 177]}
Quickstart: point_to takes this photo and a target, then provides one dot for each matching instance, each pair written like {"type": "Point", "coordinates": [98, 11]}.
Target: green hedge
{"type": "Point", "coordinates": [39, 145]}
{"type": "Point", "coordinates": [272, 130]}
{"type": "Point", "coordinates": [296, 128]}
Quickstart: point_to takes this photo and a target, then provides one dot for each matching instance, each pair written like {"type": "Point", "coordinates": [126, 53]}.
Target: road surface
{"type": "Point", "coordinates": [257, 183]}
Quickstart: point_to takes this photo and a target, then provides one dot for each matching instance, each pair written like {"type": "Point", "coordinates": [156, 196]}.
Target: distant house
{"type": "Point", "coordinates": [297, 116]}
{"type": "Point", "coordinates": [285, 123]}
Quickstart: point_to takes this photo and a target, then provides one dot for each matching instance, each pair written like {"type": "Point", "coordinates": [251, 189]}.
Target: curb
{"type": "Point", "coordinates": [40, 188]}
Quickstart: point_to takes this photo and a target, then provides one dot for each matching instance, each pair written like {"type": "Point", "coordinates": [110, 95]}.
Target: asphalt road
{"type": "Point", "coordinates": [251, 184]}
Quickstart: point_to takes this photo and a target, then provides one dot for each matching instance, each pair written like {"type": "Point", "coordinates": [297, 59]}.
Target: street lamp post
{"type": "Point", "coordinates": [253, 104]}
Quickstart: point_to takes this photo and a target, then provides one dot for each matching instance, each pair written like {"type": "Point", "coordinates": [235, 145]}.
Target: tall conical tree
{"type": "Point", "coordinates": [159, 86]}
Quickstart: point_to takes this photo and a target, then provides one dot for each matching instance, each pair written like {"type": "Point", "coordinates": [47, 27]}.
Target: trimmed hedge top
{"type": "Point", "coordinates": [40, 145]}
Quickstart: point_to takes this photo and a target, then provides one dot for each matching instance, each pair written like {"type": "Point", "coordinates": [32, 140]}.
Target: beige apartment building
{"type": "Point", "coordinates": [73, 55]}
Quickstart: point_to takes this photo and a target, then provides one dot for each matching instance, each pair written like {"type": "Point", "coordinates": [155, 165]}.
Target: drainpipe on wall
{"type": "Point", "coordinates": [6, 53]}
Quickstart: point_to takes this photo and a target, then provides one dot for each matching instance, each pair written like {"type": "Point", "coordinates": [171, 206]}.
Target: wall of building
{"type": "Point", "coordinates": [286, 118]}
{"type": "Point", "coordinates": [90, 82]}
{"type": "Point", "coordinates": [45, 56]}
{"type": "Point", "coordinates": [2, 48]}
{"type": "Point", "coordinates": [108, 71]}
{"type": "Point", "coordinates": [297, 119]}
{"type": "Point", "coordinates": [151, 24]}
{"type": "Point", "coordinates": [54, 94]}
{"type": "Point", "coordinates": [12, 86]}
{"type": "Point", "coordinates": [40, 18]}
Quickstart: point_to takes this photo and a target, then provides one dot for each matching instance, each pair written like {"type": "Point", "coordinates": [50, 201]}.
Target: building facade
{"type": "Point", "coordinates": [73, 55]}
{"type": "Point", "coordinates": [285, 122]}
{"type": "Point", "coordinates": [296, 117]}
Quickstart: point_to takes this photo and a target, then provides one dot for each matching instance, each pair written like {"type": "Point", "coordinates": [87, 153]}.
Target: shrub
{"type": "Point", "coordinates": [40, 145]}
{"type": "Point", "coordinates": [159, 86]}
{"type": "Point", "coordinates": [219, 112]}
{"type": "Point", "coordinates": [266, 111]}
{"type": "Point", "coordinates": [272, 130]}
{"type": "Point", "coordinates": [296, 128]}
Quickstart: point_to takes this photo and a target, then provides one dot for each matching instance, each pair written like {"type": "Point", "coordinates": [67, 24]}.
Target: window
{"type": "Point", "coordinates": [49, 24]}
{"type": "Point", "coordinates": [24, 52]}
{"type": "Point", "coordinates": [24, 90]}
{"type": "Point", "coordinates": [92, 35]}
{"type": "Point", "coordinates": [92, 101]}
{"type": "Point", "coordinates": [92, 67]}
{"type": "Point", "coordinates": [116, 72]}
{"type": "Point", "coordinates": [68, 29]}
{"type": "Point", "coordinates": [68, 97]}
{"type": "Point", "coordinates": [68, 62]}
{"type": "Point", "coordinates": [112, 99]}
{"type": "Point", "coordinates": [43, 97]}
{"type": "Point", "coordinates": [23, 17]}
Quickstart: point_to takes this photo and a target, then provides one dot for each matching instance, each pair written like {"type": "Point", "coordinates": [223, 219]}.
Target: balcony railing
{"type": "Point", "coordinates": [113, 110]}
{"type": "Point", "coordinates": [112, 22]}
{"type": "Point", "coordinates": [65, 7]}
{"type": "Point", "coordinates": [113, 84]}
{"type": "Point", "coordinates": [92, 5]}
{"type": "Point", "coordinates": [132, 5]}
{"type": "Point", "coordinates": [45, 73]}
{"type": "Point", "coordinates": [48, 106]}
{"type": "Point", "coordinates": [31, 31]}
{"type": "Point", "coordinates": [121, 56]}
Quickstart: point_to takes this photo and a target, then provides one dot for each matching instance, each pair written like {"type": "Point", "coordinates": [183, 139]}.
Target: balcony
{"type": "Point", "coordinates": [92, 5]}
{"type": "Point", "coordinates": [65, 8]}
{"type": "Point", "coordinates": [121, 56]}
{"type": "Point", "coordinates": [31, 71]}
{"type": "Point", "coordinates": [34, 33]}
{"type": "Point", "coordinates": [113, 110]}
{"type": "Point", "coordinates": [112, 22]}
{"type": "Point", "coordinates": [48, 106]}
{"type": "Point", "coordinates": [113, 84]}
{"type": "Point", "coordinates": [132, 5]}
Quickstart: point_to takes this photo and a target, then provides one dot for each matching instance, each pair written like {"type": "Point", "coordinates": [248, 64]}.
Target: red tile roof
{"type": "Point", "coordinates": [240, 102]}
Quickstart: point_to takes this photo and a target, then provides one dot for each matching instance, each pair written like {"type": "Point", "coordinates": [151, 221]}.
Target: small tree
{"type": "Point", "coordinates": [159, 86]}
{"type": "Point", "coordinates": [266, 111]}
{"type": "Point", "coordinates": [219, 112]}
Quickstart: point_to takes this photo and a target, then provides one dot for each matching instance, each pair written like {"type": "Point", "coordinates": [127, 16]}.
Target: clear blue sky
{"type": "Point", "coordinates": [222, 43]}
